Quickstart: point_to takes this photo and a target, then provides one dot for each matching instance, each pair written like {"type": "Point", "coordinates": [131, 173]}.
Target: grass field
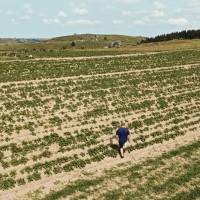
{"type": "Point", "coordinates": [82, 40]}
{"type": "Point", "coordinates": [58, 117]}
{"type": "Point", "coordinates": [89, 45]}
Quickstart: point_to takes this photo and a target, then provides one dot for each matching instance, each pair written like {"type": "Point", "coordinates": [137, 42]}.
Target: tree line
{"type": "Point", "coordinates": [186, 34]}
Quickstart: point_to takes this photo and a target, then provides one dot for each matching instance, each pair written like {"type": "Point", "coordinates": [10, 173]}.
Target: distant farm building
{"type": "Point", "coordinates": [115, 44]}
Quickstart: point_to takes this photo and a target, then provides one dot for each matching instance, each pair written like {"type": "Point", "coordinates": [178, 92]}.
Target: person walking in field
{"type": "Point", "coordinates": [123, 135]}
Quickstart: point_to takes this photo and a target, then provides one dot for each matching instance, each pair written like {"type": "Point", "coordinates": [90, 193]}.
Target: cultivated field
{"type": "Point", "coordinates": [58, 118]}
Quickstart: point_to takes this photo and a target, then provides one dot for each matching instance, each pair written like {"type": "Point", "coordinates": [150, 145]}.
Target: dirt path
{"type": "Point", "coordinates": [103, 74]}
{"type": "Point", "coordinates": [81, 57]}
{"type": "Point", "coordinates": [98, 168]}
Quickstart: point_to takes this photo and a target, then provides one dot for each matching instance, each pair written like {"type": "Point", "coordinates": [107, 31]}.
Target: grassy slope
{"type": "Point", "coordinates": [86, 45]}
{"type": "Point", "coordinates": [172, 176]}
{"type": "Point", "coordinates": [90, 41]}
{"type": "Point", "coordinates": [99, 41]}
{"type": "Point", "coordinates": [170, 45]}
{"type": "Point", "coordinates": [54, 49]}
{"type": "Point", "coordinates": [87, 41]}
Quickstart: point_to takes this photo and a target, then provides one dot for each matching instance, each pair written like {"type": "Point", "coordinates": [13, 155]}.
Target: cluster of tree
{"type": "Point", "coordinates": [186, 34]}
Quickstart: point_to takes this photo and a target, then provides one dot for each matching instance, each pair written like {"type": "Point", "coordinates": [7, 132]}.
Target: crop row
{"type": "Point", "coordinates": [99, 100]}
{"type": "Point", "coordinates": [32, 70]}
{"type": "Point", "coordinates": [157, 138]}
{"type": "Point", "coordinates": [164, 177]}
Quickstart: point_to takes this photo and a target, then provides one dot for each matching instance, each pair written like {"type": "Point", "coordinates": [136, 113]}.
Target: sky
{"type": "Point", "coordinates": [51, 18]}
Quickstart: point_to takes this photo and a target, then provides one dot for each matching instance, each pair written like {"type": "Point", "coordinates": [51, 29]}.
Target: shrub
{"type": "Point", "coordinates": [7, 184]}
{"type": "Point", "coordinates": [73, 44]}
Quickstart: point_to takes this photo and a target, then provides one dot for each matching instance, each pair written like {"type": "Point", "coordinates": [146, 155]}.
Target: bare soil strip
{"type": "Point", "coordinates": [187, 66]}
{"type": "Point", "coordinates": [80, 58]}
{"type": "Point", "coordinates": [98, 168]}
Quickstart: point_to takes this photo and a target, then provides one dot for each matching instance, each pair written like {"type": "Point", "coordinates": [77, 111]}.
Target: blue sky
{"type": "Point", "coordinates": [50, 18]}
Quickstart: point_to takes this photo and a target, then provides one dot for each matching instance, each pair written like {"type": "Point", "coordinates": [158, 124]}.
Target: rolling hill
{"type": "Point", "coordinates": [81, 41]}
{"type": "Point", "coordinates": [96, 40]}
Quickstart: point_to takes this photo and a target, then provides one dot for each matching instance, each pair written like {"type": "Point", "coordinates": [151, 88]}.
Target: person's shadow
{"type": "Point", "coordinates": [114, 146]}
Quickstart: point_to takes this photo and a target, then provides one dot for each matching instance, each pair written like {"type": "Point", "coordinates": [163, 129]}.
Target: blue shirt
{"type": "Point", "coordinates": [123, 134]}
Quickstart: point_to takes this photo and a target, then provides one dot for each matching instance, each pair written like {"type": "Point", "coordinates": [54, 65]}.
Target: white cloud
{"type": "Point", "coordinates": [27, 5]}
{"type": "Point", "coordinates": [158, 5]}
{"type": "Point", "coordinates": [126, 13]}
{"type": "Point", "coordinates": [81, 11]}
{"type": "Point", "coordinates": [139, 22]}
{"type": "Point", "coordinates": [82, 22]}
{"type": "Point", "coordinates": [74, 4]}
{"type": "Point", "coordinates": [180, 21]}
{"type": "Point", "coordinates": [178, 10]}
{"type": "Point", "coordinates": [28, 9]}
{"type": "Point", "coordinates": [9, 12]}
{"type": "Point", "coordinates": [127, 1]}
{"type": "Point", "coordinates": [61, 14]}
{"type": "Point", "coordinates": [25, 17]}
{"type": "Point", "coordinates": [117, 21]}
{"type": "Point", "coordinates": [159, 8]}
{"type": "Point", "coordinates": [158, 13]}
{"type": "Point", "coordinates": [41, 15]}
{"type": "Point", "coordinates": [51, 20]}
{"type": "Point", "coordinates": [14, 21]}
{"type": "Point", "coordinates": [46, 21]}
{"type": "Point", "coordinates": [71, 4]}
{"type": "Point", "coordinates": [194, 3]}
{"type": "Point", "coordinates": [56, 21]}
{"type": "Point", "coordinates": [109, 7]}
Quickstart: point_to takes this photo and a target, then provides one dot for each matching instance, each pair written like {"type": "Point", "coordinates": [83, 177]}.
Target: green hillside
{"type": "Point", "coordinates": [82, 41]}
{"type": "Point", "coordinates": [95, 40]}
